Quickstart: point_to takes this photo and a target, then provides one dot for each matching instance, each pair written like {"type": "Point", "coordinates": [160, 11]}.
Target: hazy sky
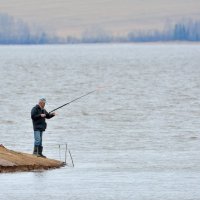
{"type": "Point", "coordinates": [116, 16]}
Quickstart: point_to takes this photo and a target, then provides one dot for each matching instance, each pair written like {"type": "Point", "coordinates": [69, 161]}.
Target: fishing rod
{"type": "Point", "coordinates": [73, 100]}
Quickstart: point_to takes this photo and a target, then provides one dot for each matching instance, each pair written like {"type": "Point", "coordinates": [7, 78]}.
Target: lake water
{"type": "Point", "coordinates": [136, 139]}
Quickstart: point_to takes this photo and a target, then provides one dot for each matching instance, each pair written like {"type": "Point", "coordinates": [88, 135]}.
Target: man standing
{"type": "Point", "coordinates": [38, 115]}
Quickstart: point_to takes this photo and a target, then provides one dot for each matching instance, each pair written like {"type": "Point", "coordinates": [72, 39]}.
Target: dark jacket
{"type": "Point", "coordinates": [39, 123]}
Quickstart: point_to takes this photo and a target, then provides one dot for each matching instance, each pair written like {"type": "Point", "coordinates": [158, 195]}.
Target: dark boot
{"type": "Point", "coordinates": [36, 150]}
{"type": "Point", "coordinates": [40, 152]}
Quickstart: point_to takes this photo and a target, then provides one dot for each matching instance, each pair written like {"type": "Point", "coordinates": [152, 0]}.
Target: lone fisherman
{"type": "Point", "coordinates": [38, 115]}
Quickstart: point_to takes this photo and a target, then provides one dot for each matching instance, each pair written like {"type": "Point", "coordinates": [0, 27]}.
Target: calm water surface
{"type": "Point", "coordinates": [138, 138]}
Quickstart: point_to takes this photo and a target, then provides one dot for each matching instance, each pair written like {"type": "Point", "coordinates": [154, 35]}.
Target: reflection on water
{"type": "Point", "coordinates": [136, 139]}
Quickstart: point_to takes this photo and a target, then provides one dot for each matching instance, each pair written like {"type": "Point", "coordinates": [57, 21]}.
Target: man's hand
{"type": "Point", "coordinates": [53, 113]}
{"type": "Point", "coordinates": [43, 115]}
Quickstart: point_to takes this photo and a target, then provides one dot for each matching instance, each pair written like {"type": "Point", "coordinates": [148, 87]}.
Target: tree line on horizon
{"type": "Point", "coordinates": [14, 31]}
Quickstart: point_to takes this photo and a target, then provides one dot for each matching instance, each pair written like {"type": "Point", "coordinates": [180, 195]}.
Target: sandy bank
{"type": "Point", "coordinates": [11, 161]}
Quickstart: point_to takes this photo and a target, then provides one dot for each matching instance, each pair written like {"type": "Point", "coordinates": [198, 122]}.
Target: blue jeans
{"type": "Point", "coordinates": [38, 138]}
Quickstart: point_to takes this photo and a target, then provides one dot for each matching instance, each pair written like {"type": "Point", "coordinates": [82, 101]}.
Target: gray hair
{"type": "Point", "coordinates": [42, 100]}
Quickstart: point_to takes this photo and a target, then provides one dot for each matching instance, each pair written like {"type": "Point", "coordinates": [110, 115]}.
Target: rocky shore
{"type": "Point", "coordinates": [11, 161]}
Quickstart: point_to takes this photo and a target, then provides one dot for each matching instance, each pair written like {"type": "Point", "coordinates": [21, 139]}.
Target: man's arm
{"type": "Point", "coordinates": [34, 114]}
{"type": "Point", "coordinates": [49, 115]}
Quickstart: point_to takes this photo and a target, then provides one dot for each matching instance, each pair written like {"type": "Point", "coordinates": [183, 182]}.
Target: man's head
{"type": "Point", "coordinates": [42, 102]}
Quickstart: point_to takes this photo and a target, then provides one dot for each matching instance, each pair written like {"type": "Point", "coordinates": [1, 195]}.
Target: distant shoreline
{"type": "Point", "coordinates": [109, 43]}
